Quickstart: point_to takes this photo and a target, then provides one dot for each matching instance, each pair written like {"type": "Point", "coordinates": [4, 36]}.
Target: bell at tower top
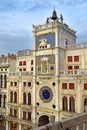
{"type": "Point", "coordinates": [53, 22]}
{"type": "Point", "coordinates": [54, 15]}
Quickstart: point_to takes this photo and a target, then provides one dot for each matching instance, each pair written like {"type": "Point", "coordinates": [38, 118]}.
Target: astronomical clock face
{"type": "Point", "coordinates": [46, 94]}
{"type": "Point", "coordinates": [50, 37]}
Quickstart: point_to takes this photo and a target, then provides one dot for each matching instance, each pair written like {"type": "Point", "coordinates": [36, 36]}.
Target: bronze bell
{"type": "Point", "coordinates": [54, 15]}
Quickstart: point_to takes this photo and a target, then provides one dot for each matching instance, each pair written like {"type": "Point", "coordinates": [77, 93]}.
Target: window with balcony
{"type": "Point", "coordinates": [64, 85]}
{"type": "Point", "coordinates": [71, 104]}
{"type": "Point", "coordinates": [64, 103]}
{"type": "Point", "coordinates": [76, 58]}
{"type": "Point", "coordinates": [71, 85]}
{"type": "Point", "coordinates": [85, 86]}
{"type": "Point", "coordinates": [69, 58]}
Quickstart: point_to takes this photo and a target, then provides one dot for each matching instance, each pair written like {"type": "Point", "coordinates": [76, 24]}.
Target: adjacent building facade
{"type": "Point", "coordinates": [49, 80]}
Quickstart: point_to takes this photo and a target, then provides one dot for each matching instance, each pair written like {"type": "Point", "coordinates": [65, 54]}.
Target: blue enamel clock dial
{"type": "Point", "coordinates": [46, 94]}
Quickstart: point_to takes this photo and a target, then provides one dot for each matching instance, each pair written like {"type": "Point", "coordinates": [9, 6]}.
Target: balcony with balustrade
{"type": "Point", "coordinates": [74, 72]}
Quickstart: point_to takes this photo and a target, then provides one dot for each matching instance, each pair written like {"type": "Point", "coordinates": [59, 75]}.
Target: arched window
{"type": "Point", "coordinates": [5, 79]}
{"type": "Point", "coordinates": [29, 116]}
{"type": "Point", "coordinates": [15, 97]}
{"type": "Point", "coordinates": [71, 104]}
{"type": "Point", "coordinates": [64, 103]}
{"type": "Point", "coordinates": [0, 100]}
{"type": "Point", "coordinates": [1, 80]}
{"type": "Point", "coordinates": [85, 102]}
{"type": "Point", "coordinates": [29, 98]}
{"type": "Point", "coordinates": [4, 103]}
{"type": "Point", "coordinates": [24, 98]}
{"type": "Point", "coordinates": [11, 96]}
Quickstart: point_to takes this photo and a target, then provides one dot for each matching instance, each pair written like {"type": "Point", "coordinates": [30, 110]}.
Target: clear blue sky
{"type": "Point", "coordinates": [18, 16]}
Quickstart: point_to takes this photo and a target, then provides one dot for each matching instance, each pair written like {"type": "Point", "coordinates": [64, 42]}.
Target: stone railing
{"type": "Point", "coordinates": [73, 72]}
{"type": "Point", "coordinates": [20, 73]}
{"type": "Point", "coordinates": [78, 122]}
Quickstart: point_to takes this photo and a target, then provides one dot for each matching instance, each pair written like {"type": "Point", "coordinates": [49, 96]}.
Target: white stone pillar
{"type": "Point", "coordinates": [68, 103]}
{"type": "Point", "coordinates": [26, 98]}
{"type": "Point", "coordinates": [33, 101]}
{"type": "Point", "coordinates": [56, 38]}
{"type": "Point", "coordinates": [7, 125]}
{"type": "Point", "coordinates": [57, 64]}
{"type": "Point", "coordinates": [13, 96]}
{"type": "Point", "coordinates": [56, 94]}
{"type": "Point", "coordinates": [20, 97]}
{"type": "Point", "coordinates": [2, 101]}
{"type": "Point", "coordinates": [19, 127]}
{"type": "Point", "coordinates": [78, 101]}
{"type": "Point", "coordinates": [34, 70]}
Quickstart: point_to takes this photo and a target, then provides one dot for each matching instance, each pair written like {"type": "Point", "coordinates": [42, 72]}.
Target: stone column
{"type": "Point", "coordinates": [7, 125]}
{"type": "Point", "coordinates": [56, 38]}
{"type": "Point", "coordinates": [20, 95]}
{"type": "Point", "coordinates": [2, 101]}
{"type": "Point", "coordinates": [26, 98]}
{"type": "Point", "coordinates": [68, 103]}
{"type": "Point", "coordinates": [78, 98]}
{"type": "Point", "coordinates": [33, 101]}
{"type": "Point", "coordinates": [19, 127]}
{"type": "Point", "coordinates": [57, 63]}
{"type": "Point", "coordinates": [13, 96]}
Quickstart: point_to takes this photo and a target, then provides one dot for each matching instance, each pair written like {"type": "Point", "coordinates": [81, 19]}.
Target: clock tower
{"type": "Point", "coordinates": [50, 43]}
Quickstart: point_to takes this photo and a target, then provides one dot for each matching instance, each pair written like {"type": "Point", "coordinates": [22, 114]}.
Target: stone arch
{"type": "Point", "coordinates": [43, 120]}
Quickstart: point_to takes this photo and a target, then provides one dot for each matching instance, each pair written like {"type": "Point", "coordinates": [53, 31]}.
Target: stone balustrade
{"type": "Point", "coordinates": [73, 72]}
{"type": "Point", "coordinates": [20, 73]}
{"type": "Point", "coordinates": [78, 122]}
